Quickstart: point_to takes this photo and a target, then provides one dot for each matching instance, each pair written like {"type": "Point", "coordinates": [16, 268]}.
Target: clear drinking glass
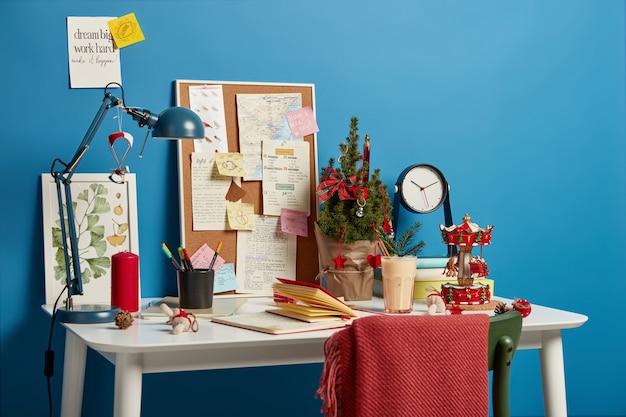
{"type": "Point", "coordinates": [398, 273]}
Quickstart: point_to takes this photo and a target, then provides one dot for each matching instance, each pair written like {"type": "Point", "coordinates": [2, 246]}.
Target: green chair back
{"type": "Point", "coordinates": [504, 335]}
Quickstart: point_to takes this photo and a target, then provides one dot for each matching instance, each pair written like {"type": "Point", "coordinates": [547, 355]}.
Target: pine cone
{"type": "Point", "coordinates": [501, 308]}
{"type": "Point", "coordinates": [123, 320]}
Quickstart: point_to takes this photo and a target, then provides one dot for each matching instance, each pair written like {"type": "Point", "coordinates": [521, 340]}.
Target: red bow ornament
{"type": "Point", "coordinates": [331, 184]}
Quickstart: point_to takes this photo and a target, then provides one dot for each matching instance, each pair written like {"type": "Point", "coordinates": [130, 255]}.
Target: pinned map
{"type": "Point", "coordinates": [262, 117]}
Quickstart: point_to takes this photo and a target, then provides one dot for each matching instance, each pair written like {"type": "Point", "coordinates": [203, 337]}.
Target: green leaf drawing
{"type": "Point", "coordinates": [88, 204]}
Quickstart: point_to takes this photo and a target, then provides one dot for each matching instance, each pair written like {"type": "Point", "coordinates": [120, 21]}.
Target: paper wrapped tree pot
{"type": "Point", "coordinates": [354, 281]}
{"type": "Point", "coordinates": [355, 211]}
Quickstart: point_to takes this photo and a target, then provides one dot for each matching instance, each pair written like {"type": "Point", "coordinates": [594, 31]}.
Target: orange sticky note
{"type": "Point", "coordinates": [125, 30]}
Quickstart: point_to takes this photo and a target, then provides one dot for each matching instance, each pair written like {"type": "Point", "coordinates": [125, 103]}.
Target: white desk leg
{"type": "Point", "coordinates": [553, 374]}
{"type": "Point", "coordinates": [73, 375]}
{"type": "Point", "coordinates": [128, 380]}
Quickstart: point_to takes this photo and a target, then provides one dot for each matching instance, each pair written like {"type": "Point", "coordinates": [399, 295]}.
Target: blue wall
{"type": "Point", "coordinates": [520, 104]}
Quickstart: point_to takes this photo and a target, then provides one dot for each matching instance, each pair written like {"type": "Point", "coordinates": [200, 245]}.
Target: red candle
{"type": "Point", "coordinates": [366, 158]}
{"type": "Point", "coordinates": [125, 281]}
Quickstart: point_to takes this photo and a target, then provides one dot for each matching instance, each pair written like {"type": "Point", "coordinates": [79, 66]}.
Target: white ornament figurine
{"type": "Point", "coordinates": [435, 304]}
{"type": "Point", "coordinates": [179, 319]}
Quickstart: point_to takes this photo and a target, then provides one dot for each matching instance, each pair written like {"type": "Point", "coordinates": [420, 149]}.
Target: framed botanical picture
{"type": "Point", "coordinates": [106, 223]}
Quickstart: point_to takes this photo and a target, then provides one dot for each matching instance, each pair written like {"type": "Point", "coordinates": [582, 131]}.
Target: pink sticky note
{"type": "Point", "coordinates": [294, 222]}
{"type": "Point", "coordinates": [302, 122]}
{"type": "Point", "coordinates": [201, 259]}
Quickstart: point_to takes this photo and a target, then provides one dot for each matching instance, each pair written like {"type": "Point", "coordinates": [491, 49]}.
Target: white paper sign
{"type": "Point", "coordinates": [93, 61]}
{"type": "Point", "coordinates": [286, 176]}
{"type": "Point", "coordinates": [263, 255]}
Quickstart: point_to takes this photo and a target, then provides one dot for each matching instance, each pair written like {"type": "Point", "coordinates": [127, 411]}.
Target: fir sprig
{"type": "Point", "coordinates": [405, 243]}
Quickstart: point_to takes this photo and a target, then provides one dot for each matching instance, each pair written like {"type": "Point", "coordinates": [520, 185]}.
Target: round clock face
{"type": "Point", "coordinates": [422, 188]}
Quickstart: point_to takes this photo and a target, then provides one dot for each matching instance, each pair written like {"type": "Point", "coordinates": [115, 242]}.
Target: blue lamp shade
{"type": "Point", "coordinates": [178, 123]}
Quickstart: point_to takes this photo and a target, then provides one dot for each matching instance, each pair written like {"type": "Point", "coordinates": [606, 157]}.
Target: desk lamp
{"type": "Point", "coordinates": [172, 123]}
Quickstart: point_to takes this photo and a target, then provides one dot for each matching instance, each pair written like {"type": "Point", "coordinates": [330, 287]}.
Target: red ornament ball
{"type": "Point", "coordinates": [523, 306]}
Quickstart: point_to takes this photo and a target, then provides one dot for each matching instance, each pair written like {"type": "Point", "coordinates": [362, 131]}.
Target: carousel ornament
{"type": "Point", "coordinates": [464, 266]}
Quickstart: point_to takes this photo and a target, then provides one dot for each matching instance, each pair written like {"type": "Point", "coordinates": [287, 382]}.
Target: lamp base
{"type": "Point", "coordinates": [87, 313]}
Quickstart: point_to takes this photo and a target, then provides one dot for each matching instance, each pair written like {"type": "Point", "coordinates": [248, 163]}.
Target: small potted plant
{"type": "Point", "coordinates": [355, 217]}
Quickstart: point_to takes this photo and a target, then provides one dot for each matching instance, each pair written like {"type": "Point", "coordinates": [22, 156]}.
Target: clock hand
{"type": "Point", "coordinates": [430, 185]}
{"type": "Point", "coordinates": [421, 188]}
{"type": "Point", "coordinates": [425, 198]}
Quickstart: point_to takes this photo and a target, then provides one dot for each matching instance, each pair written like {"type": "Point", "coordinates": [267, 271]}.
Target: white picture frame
{"type": "Point", "coordinates": [114, 231]}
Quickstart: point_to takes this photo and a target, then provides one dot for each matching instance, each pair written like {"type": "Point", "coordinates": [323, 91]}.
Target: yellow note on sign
{"type": "Point", "coordinates": [240, 216]}
{"type": "Point", "coordinates": [125, 30]}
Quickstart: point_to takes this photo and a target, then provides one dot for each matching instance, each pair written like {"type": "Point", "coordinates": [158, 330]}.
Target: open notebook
{"type": "Point", "coordinates": [311, 302]}
{"type": "Point", "coordinates": [311, 307]}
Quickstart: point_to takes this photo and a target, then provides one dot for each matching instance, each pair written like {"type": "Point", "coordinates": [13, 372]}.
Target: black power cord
{"type": "Point", "coordinates": [48, 368]}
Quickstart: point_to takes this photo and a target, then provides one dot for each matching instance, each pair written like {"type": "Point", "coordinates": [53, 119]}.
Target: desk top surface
{"type": "Point", "coordinates": [154, 335]}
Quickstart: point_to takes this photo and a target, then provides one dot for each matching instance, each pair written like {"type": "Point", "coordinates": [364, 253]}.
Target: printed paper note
{"type": "Point", "coordinates": [263, 255]}
{"type": "Point", "coordinates": [93, 60]}
{"type": "Point", "coordinates": [208, 193]}
{"type": "Point", "coordinates": [208, 103]}
{"type": "Point", "coordinates": [286, 176]}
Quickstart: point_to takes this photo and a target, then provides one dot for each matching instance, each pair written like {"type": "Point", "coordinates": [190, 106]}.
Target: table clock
{"type": "Point", "coordinates": [422, 189]}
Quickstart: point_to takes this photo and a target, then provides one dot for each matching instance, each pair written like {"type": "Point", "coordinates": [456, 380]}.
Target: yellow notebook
{"type": "Point", "coordinates": [312, 302]}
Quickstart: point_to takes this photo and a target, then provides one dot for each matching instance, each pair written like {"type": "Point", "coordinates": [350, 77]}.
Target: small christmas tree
{"type": "Point", "coordinates": [357, 206]}
{"type": "Point", "coordinates": [354, 220]}
{"type": "Point", "coordinates": [349, 188]}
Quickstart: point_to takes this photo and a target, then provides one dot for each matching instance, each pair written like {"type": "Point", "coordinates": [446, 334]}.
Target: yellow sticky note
{"type": "Point", "coordinates": [240, 216]}
{"type": "Point", "coordinates": [229, 164]}
{"type": "Point", "coordinates": [125, 30]}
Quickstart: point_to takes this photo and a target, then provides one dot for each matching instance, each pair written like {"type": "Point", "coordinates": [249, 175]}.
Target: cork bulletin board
{"type": "Point", "coordinates": [307, 265]}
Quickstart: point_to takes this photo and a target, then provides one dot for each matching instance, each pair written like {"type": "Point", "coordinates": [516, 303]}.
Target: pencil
{"type": "Point", "coordinates": [219, 247]}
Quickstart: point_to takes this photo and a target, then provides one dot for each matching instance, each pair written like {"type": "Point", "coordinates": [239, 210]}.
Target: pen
{"type": "Point", "coordinates": [168, 253]}
{"type": "Point", "coordinates": [219, 247]}
{"type": "Point", "coordinates": [181, 256]}
{"type": "Point", "coordinates": [187, 259]}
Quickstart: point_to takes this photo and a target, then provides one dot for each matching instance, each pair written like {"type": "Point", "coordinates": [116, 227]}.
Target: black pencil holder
{"type": "Point", "coordinates": [195, 288]}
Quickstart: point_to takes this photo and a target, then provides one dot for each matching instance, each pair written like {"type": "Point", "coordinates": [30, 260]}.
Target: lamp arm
{"type": "Point", "coordinates": [66, 209]}
{"type": "Point", "coordinates": [108, 102]}
{"type": "Point", "coordinates": [62, 178]}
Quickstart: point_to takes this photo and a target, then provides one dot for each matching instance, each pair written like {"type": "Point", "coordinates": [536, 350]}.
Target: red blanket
{"type": "Point", "coordinates": [396, 366]}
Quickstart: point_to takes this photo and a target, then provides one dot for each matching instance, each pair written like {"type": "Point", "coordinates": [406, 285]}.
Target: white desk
{"type": "Point", "coordinates": [149, 347]}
